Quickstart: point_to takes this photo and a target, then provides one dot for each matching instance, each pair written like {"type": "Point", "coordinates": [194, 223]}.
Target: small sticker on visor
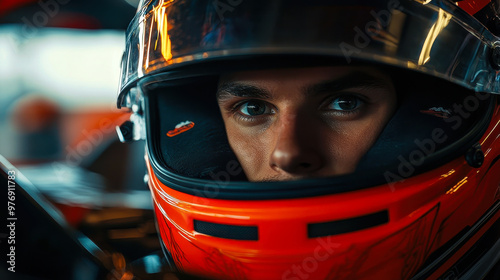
{"type": "Point", "coordinates": [439, 112]}
{"type": "Point", "coordinates": [180, 128]}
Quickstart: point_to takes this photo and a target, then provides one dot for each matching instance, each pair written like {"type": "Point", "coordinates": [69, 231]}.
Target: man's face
{"type": "Point", "coordinates": [289, 124]}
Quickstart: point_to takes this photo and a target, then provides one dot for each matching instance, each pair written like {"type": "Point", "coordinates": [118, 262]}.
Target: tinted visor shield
{"type": "Point", "coordinates": [433, 37]}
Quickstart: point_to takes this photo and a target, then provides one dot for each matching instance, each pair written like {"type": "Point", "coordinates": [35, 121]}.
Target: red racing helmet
{"type": "Point", "coordinates": [422, 203]}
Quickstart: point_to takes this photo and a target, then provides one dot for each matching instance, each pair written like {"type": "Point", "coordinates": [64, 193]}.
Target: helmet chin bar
{"type": "Point", "coordinates": [135, 128]}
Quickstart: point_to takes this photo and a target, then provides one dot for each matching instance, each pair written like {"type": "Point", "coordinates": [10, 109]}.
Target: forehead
{"type": "Point", "coordinates": [302, 74]}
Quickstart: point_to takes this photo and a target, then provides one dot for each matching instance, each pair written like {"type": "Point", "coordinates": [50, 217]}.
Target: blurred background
{"type": "Point", "coordinates": [62, 57]}
{"type": "Point", "coordinates": [59, 71]}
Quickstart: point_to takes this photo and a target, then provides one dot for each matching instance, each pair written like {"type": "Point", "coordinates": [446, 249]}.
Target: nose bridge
{"type": "Point", "coordinates": [294, 150]}
{"type": "Point", "coordinates": [292, 130]}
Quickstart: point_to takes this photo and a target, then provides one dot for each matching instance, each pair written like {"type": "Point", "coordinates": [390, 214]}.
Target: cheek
{"type": "Point", "coordinates": [250, 149]}
{"type": "Point", "coordinates": [347, 145]}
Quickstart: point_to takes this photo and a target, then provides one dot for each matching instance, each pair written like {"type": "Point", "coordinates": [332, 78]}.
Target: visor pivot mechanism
{"type": "Point", "coordinates": [133, 129]}
{"type": "Point", "coordinates": [125, 132]}
{"type": "Point", "coordinates": [495, 57]}
{"type": "Point", "coordinates": [475, 156]}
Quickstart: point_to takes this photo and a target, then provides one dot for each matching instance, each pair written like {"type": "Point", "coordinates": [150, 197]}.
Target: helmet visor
{"type": "Point", "coordinates": [433, 37]}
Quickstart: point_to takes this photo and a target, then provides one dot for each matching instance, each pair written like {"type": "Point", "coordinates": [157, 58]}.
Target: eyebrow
{"type": "Point", "coordinates": [355, 79]}
{"type": "Point", "coordinates": [229, 89]}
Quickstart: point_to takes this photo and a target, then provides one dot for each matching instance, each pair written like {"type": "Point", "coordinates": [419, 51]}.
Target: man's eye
{"type": "Point", "coordinates": [254, 108]}
{"type": "Point", "coordinates": [345, 103]}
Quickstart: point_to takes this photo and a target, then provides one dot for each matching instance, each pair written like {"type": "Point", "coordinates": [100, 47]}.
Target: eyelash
{"type": "Point", "coordinates": [236, 110]}
{"type": "Point", "coordinates": [360, 99]}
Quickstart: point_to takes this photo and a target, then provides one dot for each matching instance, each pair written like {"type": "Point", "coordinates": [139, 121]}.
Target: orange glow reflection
{"type": "Point", "coordinates": [441, 22]}
{"type": "Point", "coordinates": [162, 27]}
{"type": "Point", "coordinates": [457, 186]}
{"type": "Point", "coordinates": [448, 174]}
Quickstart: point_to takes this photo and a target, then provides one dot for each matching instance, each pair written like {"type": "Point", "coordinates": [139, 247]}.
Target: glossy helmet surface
{"type": "Point", "coordinates": [424, 193]}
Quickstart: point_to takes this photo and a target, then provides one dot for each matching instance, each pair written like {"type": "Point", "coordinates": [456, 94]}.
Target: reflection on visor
{"type": "Point", "coordinates": [433, 37]}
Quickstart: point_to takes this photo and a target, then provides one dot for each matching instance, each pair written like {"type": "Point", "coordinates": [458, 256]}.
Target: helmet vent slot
{"type": "Point", "coordinates": [227, 231]}
{"type": "Point", "coordinates": [347, 225]}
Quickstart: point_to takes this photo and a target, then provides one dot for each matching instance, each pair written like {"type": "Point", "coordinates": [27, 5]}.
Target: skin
{"type": "Point", "coordinates": [295, 123]}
